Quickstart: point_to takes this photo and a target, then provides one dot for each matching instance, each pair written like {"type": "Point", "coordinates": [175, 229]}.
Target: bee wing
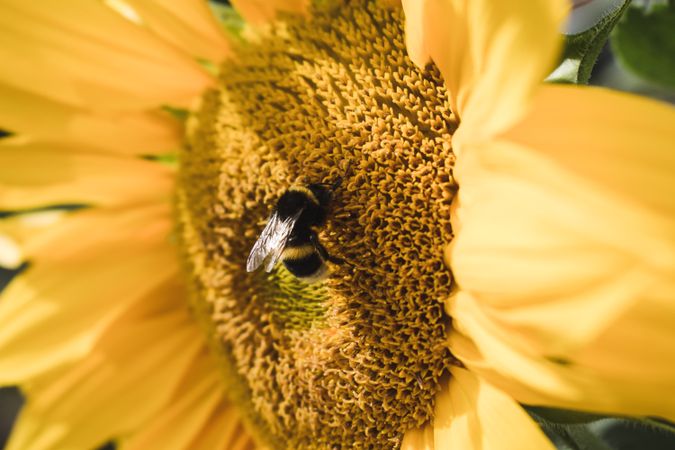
{"type": "Point", "coordinates": [271, 242]}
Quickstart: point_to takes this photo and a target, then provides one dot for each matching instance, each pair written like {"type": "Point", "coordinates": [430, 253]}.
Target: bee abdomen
{"type": "Point", "coordinates": [304, 262]}
{"type": "Point", "coordinates": [295, 251]}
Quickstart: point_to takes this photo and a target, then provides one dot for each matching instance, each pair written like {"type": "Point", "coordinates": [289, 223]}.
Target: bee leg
{"type": "Point", "coordinates": [314, 239]}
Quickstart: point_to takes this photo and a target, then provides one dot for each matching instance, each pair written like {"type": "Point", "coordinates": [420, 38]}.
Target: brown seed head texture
{"type": "Point", "coordinates": [354, 361]}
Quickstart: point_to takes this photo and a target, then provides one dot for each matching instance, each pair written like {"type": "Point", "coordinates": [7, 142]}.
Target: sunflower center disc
{"type": "Point", "coordinates": [353, 361]}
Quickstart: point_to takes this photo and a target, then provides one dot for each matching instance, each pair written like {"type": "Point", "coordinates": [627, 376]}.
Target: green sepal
{"type": "Point", "coordinates": [167, 159]}
{"type": "Point", "coordinates": [228, 18]}
{"type": "Point", "coordinates": [581, 50]}
{"type": "Point", "coordinates": [179, 114]}
{"type": "Point", "coordinates": [644, 42]}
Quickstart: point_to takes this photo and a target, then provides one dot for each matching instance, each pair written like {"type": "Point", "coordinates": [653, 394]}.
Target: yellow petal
{"type": "Point", "coordinates": [40, 174]}
{"type": "Point", "coordinates": [199, 417]}
{"type": "Point", "coordinates": [11, 256]}
{"type": "Point", "coordinates": [128, 132]}
{"type": "Point", "coordinates": [244, 442]}
{"type": "Point", "coordinates": [626, 370]}
{"type": "Point", "coordinates": [419, 439]}
{"type": "Point", "coordinates": [129, 377]}
{"type": "Point", "coordinates": [21, 234]}
{"type": "Point", "coordinates": [116, 259]}
{"type": "Point", "coordinates": [28, 229]}
{"type": "Point", "coordinates": [188, 24]}
{"type": "Point", "coordinates": [416, 32]}
{"type": "Point", "coordinates": [490, 349]}
{"type": "Point", "coordinates": [565, 254]}
{"type": "Point", "coordinates": [621, 141]}
{"type": "Point", "coordinates": [630, 365]}
{"type": "Point", "coordinates": [472, 414]}
{"type": "Point", "coordinates": [542, 236]}
{"type": "Point", "coordinates": [258, 12]}
{"type": "Point", "coordinates": [184, 417]}
{"type": "Point", "coordinates": [85, 54]}
{"type": "Point", "coordinates": [492, 55]}
{"type": "Point", "coordinates": [225, 430]}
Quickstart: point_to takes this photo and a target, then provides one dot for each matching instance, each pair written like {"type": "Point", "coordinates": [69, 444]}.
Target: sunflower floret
{"type": "Point", "coordinates": [358, 358]}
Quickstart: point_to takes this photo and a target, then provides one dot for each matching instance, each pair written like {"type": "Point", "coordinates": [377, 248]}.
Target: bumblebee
{"type": "Point", "coordinates": [290, 233]}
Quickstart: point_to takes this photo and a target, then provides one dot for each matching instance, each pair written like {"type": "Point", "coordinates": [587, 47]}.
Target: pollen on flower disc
{"type": "Point", "coordinates": [354, 361]}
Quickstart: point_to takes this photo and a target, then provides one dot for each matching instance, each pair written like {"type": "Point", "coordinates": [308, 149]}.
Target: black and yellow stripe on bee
{"type": "Point", "coordinates": [298, 252]}
{"type": "Point", "coordinates": [303, 261]}
{"type": "Point", "coordinates": [305, 191]}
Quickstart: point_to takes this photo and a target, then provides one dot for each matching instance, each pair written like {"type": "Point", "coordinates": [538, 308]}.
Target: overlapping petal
{"type": "Point", "coordinates": [117, 258]}
{"type": "Point", "coordinates": [565, 253]}
{"type": "Point", "coordinates": [492, 55]}
{"type": "Point", "coordinates": [23, 232]}
{"type": "Point", "coordinates": [472, 414]}
{"type": "Point", "coordinates": [419, 439]}
{"type": "Point", "coordinates": [199, 407]}
{"type": "Point", "coordinates": [41, 174]}
{"type": "Point", "coordinates": [623, 142]}
{"type": "Point", "coordinates": [416, 33]}
{"type": "Point", "coordinates": [188, 24]}
{"type": "Point", "coordinates": [97, 398]}
{"type": "Point", "coordinates": [129, 132]}
{"type": "Point", "coordinates": [623, 371]}
{"type": "Point", "coordinates": [258, 12]}
{"type": "Point", "coordinates": [84, 54]}
{"type": "Point", "coordinates": [224, 429]}
{"type": "Point", "coordinates": [550, 227]}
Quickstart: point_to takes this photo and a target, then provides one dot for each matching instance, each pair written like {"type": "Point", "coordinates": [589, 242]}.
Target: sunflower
{"type": "Point", "coordinates": [502, 241]}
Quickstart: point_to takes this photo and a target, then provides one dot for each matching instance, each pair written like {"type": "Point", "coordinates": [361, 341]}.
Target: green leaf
{"type": "Point", "coordinates": [624, 434]}
{"type": "Point", "coordinates": [567, 429]}
{"type": "Point", "coordinates": [577, 430]}
{"type": "Point", "coordinates": [644, 42]}
{"type": "Point", "coordinates": [658, 424]}
{"type": "Point", "coordinates": [581, 50]}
